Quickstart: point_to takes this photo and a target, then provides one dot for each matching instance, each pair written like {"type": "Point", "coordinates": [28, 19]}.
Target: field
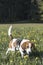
{"type": "Point", "coordinates": [33, 32]}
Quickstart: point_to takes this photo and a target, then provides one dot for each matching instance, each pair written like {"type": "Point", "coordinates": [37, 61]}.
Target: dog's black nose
{"type": "Point", "coordinates": [29, 53]}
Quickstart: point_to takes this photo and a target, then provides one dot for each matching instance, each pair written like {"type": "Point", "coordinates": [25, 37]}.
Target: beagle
{"type": "Point", "coordinates": [18, 44]}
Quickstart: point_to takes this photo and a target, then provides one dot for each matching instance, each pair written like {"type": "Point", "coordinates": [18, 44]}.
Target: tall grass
{"type": "Point", "coordinates": [33, 32]}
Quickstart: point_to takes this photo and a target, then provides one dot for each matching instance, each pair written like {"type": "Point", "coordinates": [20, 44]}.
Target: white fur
{"type": "Point", "coordinates": [9, 30]}
{"type": "Point", "coordinates": [17, 47]}
{"type": "Point", "coordinates": [29, 45]}
{"type": "Point", "coordinates": [21, 51]}
{"type": "Point", "coordinates": [28, 50]}
{"type": "Point", "coordinates": [14, 40]}
{"type": "Point", "coordinates": [13, 48]}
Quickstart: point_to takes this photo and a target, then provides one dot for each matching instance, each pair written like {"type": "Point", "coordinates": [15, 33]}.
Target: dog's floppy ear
{"type": "Point", "coordinates": [33, 46]}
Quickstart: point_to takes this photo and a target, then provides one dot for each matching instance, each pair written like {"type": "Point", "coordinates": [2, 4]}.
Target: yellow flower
{"type": "Point", "coordinates": [2, 32]}
{"type": "Point", "coordinates": [26, 56]}
{"type": "Point", "coordinates": [21, 63]}
{"type": "Point", "coordinates": [36, 58]}
{"type": "Point", "coordinates": [11, 61]}
{"type": "Point", "coordinates": [34, 40]}
{"type": "Point", "coordinates": [5, 34]}
{"type": "Point", "coordinates": [33, 31]}
{"type": "Point", "coordinates": [35, 45]}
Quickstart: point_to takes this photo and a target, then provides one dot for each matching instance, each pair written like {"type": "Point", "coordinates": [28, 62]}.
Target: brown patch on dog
{"type": "Point", "coordinates": [25, 45]}
{"type": "Point", "coordinates": [33, 46]}
{"type": "Point", "coordinates": [10, 44]}
{"type": "Point", "coordinates": [11, 37]}
{"type": "Point", "coordinates": [14, 44]}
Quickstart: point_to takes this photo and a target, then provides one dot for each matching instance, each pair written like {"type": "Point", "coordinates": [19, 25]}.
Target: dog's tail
{"type": "Point", "coordinates": [10, 32]}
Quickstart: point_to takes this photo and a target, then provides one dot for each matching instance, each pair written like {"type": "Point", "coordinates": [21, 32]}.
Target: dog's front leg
{"type": "Point", "coordinates": [10, 49]}
{"type": "Point", "coordinates": [21, 51]}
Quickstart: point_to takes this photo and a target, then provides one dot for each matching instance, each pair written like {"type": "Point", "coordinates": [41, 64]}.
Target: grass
{"type": "Point", "coordinates": [34, 32]}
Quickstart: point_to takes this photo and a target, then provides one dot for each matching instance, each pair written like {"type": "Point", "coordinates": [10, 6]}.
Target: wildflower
{"type": "Point", "coordinates": [35, 45]}
{"type": "Point", "coordinates": [21, 63]}
{"type": "Point", "coordinates": [36, 58]}
{"type": "Point", "coordinates": [33, 31]}
{"type": "Point", "coordinates": [26, 56]}
{"type": "Point", "coordinates": [11, 61]}
{"type": "Point", "coordinates": [34, 40]}
{"type": "Point", "coordinates": [2, 32]}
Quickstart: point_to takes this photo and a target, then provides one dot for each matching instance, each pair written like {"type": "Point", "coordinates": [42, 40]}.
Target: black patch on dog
{"type": "Point", "coordinates": [19, 41]}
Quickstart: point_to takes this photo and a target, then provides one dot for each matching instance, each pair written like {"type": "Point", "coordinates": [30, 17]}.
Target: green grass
{"type": "Point", "coordinates": [33, 32]}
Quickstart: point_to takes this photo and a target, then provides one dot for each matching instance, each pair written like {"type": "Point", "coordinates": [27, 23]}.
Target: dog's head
{"type": "Point", "coordinates": [28, 47]}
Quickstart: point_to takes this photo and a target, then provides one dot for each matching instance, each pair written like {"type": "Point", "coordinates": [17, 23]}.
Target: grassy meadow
{"type": "Point", "coordinates": [33, 32]}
